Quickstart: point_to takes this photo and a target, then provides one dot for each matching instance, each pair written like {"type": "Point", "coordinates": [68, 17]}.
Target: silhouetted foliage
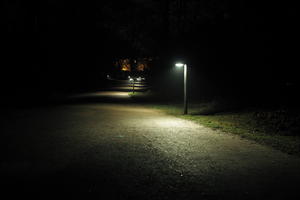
{"type": "Point", "coordinates": [242, 48]}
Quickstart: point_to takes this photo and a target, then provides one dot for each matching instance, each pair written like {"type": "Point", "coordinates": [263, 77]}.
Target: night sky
{"type": "Point", "coordinates": [234, 46]}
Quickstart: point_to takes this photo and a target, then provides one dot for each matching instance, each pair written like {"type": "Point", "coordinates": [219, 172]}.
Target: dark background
{"type": "Point", "coordinates": [234, 49]}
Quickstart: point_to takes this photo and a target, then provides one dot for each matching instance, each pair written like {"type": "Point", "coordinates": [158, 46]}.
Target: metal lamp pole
{"type": "Point", "coordinates": [133, 86]}
{"type": "Point", "coordinates": [132, 82]}
{"type": "Point", "coordinates": [185, 109]}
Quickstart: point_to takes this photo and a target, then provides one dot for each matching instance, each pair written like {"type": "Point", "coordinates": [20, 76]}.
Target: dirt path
{"type": "Point", "coordinates": [127, 151]}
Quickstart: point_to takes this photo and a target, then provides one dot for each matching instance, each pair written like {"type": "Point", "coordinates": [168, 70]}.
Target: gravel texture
{"type": "Point", "coordinates": [126, 151]}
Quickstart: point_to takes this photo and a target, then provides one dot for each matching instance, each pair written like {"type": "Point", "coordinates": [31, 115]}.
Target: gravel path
{"type": "Point", "coordinates": [126, 151]}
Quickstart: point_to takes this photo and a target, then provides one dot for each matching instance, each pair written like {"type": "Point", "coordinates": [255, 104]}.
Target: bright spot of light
{"type": "Point", "coordinates": [179, 64]}
{"type": "Point", "coordinates": [167, 122]}
{"type": "Point", "coordinates": [111, 94]}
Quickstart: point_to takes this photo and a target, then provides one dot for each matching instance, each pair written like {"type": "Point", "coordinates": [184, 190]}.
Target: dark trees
{"type": "Point", "coordinates": [228, 43]}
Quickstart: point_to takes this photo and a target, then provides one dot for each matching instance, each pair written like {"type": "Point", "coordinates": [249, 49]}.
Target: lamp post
{"type": "Point", "coordinates": [132, 80]}
{"type": "Point", "coordinates": [185, 110]}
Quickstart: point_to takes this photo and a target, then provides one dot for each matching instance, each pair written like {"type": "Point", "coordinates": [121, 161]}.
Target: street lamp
{"type": "Point", "coordinates": [185, 86]}
{"type": "Point", "coordinates": [132, 80]}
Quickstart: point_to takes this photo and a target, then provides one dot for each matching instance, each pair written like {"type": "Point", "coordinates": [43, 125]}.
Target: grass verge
{"type": "Point", "coordinates": [245, 123]}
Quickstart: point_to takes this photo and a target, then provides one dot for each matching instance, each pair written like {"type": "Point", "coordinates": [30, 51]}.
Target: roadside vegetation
{"type": "Point", "coordinates": [276, 127]}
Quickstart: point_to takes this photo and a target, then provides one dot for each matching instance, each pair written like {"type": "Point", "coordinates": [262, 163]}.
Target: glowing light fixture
{"type": "Point", "coordinates": [179, 64]}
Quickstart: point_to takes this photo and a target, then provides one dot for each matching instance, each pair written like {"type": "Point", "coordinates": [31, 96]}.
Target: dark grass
{"type": "Point", "coordinates": [278, 127]}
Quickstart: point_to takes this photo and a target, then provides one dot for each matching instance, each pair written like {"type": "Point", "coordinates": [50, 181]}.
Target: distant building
{"type": "Point", "coordinates": [125, 67]}
{"type": "Point", "coordinates": [134, 65]}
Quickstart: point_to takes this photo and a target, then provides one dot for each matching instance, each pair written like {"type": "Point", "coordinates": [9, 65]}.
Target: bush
{"type": "Point", "coordinates": [281, 121]}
